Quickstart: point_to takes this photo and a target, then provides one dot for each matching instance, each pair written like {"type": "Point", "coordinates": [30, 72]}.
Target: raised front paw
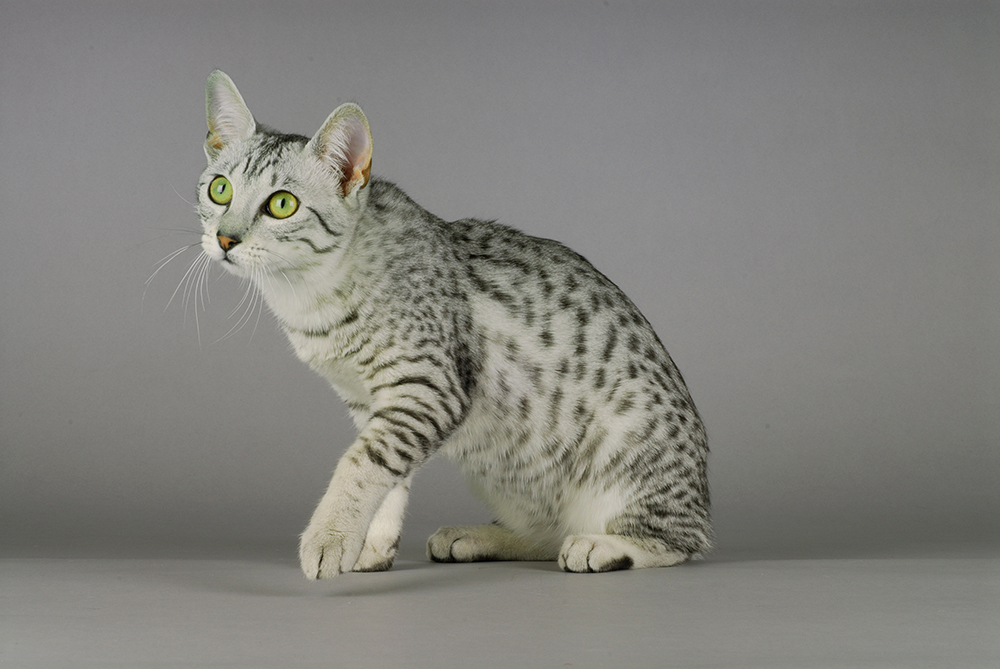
{"type": "Point", "coordinates": [325, 553]}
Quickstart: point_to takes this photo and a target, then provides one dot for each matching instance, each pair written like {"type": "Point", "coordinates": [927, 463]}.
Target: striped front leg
{"type": "Point", "coordinates": [407, 423]}
{"type": "Point", "coordinates": [336, 533]}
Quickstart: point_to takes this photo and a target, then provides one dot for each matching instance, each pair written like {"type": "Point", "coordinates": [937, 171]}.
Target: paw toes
{"type": "Point", "coordinates": [592, 554]}
{"type": "Point", "coordinates": [441, 545]}
{"type": "Point", "coordinates": [377, 559]}
{"type": "Point", "coordinates": [327, 554]}
{"type": "Point", "coordinates": [457, 544]}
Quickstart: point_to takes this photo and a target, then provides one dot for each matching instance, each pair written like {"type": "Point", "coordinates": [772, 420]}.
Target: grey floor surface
{"type": "Point", "coordinates": [258, 611]}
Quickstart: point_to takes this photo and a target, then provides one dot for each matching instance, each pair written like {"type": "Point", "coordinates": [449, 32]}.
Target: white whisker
{"type": "Point", "coordinates": [198, 288]}
{"type": "Point", "coordinates": [184, 199]}
{"type": "Point", "coordinates": [163, 262]}
{"type": "Point", "coordinates": [186, 277]}
{"type": "Point", "coordinates": [246, 295]}
{"type": "Point", "coordinates": [290, 284]}
{"type": "Point", "coordinates": [260, 310]}
{"type": "Point", "coordinates": [251, 301]}
{"type": "Point", "coordinates": [267, 274]}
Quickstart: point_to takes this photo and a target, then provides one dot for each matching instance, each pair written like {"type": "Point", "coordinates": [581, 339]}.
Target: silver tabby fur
{"type": "Point", "coordinates": [510, 354]}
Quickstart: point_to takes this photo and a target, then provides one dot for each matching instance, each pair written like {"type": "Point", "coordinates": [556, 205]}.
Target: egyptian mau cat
{"type": "Point", "coordinates": [510, 354]}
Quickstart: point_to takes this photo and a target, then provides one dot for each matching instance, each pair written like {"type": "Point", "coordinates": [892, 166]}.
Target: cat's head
{"type": "Point", "coordinates": [270, 202]}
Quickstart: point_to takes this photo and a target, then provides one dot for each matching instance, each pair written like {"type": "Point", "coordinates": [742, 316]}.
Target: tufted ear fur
{"type": "Point", "coordinates": [229, 119]}
{"type": "Point", "coordinates": [344, 144]}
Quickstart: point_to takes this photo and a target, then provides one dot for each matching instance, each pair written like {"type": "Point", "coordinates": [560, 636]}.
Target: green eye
{"type": "Point", "coordinates": [220, 190]}
{"type": "Point", "coordinates": [282, 204]}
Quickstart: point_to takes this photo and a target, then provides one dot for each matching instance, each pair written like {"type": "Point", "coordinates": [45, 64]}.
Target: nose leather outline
{"type": "Point", "coordinates": [227, 242]}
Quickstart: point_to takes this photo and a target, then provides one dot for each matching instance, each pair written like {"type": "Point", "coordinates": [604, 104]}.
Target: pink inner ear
{"type": "Point", "coordinates": [356, 151]}
{"type": "Point", "coordinates": [353, 156]}
{"type": "Point", "coordinates": [345, 145]}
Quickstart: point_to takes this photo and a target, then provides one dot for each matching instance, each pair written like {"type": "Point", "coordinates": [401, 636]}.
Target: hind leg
{"type": "Point", "coordinates": [588, 553]}
{"type": "Point", "coordinates": [481, 543]}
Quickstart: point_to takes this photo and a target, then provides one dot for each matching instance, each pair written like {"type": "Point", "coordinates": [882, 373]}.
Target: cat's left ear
{"type": "Point", "coordinates": [344, 144]}
{"type": "Point", "coordinates": [229, 119]}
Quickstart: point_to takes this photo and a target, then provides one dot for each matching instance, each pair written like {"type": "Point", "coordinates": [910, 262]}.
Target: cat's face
{"type": "Point", "coordinates": [263, 210]}
{"type": "Point", "coordinates": [272, 203]}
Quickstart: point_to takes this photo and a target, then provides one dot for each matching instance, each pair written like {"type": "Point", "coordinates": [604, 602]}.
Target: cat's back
{"type": "Point", "coordinates": [532, 305]}
{"type": "Point", "coordinates": [531, 276]}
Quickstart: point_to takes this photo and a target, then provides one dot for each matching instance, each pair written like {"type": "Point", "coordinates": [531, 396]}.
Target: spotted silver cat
{"type": "Point", "coordinates": [509, 354]}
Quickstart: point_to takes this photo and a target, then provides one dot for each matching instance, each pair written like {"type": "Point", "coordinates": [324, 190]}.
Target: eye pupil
{"type": "Point", "coordinates": [220, 191]}
{"type": "Point", "coordinates": [282, 205]}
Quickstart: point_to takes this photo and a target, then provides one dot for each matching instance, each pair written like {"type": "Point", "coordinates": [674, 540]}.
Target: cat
{"type": "Point", "coordinates": [510, 354]}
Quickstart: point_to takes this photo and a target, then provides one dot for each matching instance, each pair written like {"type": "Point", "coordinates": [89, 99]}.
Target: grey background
{"type": "Point", "coordinates": [803, 198]}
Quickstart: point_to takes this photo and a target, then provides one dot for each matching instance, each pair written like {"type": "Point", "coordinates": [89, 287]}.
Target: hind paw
{"type": "Point", "coordinates": [589, 553]}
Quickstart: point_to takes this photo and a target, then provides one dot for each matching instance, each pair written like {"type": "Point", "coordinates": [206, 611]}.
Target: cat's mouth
{"type": "Point", "coordinates": [218, 252]}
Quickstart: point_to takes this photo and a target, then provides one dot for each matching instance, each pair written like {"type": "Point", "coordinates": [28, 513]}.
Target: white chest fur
{"type": "Point", "coordinates": [341, 373]}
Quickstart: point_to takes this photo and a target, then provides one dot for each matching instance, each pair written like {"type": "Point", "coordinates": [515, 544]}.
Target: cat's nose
{"type": "Point", "coordinates": [227, 242]}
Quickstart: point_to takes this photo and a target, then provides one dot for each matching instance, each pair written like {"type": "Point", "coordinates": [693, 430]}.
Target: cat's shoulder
{"type": "Point", "coordinates": [481, 242]}
{"type": "Point", "coordinates": [487, 239]}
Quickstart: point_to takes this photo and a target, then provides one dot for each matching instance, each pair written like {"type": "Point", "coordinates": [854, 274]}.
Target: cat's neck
{"type": "Point", "coordinates": [310, 299]}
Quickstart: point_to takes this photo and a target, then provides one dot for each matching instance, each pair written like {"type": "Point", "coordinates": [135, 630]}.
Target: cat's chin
{"type": "Point", "coordinates": [233, 268]}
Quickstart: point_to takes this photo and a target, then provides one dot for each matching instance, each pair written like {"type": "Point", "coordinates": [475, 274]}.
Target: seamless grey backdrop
{"type": "Point", "coordinates": [803, 198]}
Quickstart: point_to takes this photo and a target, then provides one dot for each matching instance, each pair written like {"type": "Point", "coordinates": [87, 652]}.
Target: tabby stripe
{"type": "Point", "coordinates": [318, 334]}
{"type": "Point", "coordinates": [420, 381]}
{"type": "Point", "coordinates": [495, 293]}
{"type": "Point", "coordinates": [612, 342]}
{"type": "Point", "coordinates": [479, 283]}
{"type": "Point", "coordinates": [351, 316]}
{"type": "Point", "coordinates": [522, 267]}
{"type": "Point", "coordinates": [317, 249]}
{"type": "Point", "coordinates": [356, 406]}
{"type": "Point", "coordinates": [555, 406]}
{"type": "Point", "coordinates": [401, 436]}
{"type": "Point", "coordinates": [415, 415]}
{"type": "Point", "coordinates": [389, 364]}
{"type": "Point", "coordinates": [419, 402]}
{"type": "Point", "coordinates": [326, 226]}
{"type": "Point", "coordinates": [403, 456]}
{"type": "Point", "coordinates": [358, 346]}
{"type": "Point", "coordinates": [380, 460]}
{"type": "Point", "coordinates": [410, 381]}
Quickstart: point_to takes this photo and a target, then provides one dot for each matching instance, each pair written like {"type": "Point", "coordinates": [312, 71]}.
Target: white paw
{"type": "Point", "coordinates": [588, 553]}
{"type": "Point", "coordinates": [325, 553]}
{"type": "Point", "coordinates": [455, 544]}
{"type": "Point", "coordinates": [375, 557]}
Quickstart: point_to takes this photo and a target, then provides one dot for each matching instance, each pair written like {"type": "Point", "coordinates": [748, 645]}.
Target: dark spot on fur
{"type": "Point", "coordinates": [624, 562]}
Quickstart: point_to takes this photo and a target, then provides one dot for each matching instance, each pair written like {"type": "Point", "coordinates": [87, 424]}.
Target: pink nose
{"type": "Point", "coordinates": [227, 242]}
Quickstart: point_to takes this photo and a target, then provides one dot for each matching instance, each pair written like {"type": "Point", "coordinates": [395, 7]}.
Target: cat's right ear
{"type": "Point", "coordinates": [229, 119]}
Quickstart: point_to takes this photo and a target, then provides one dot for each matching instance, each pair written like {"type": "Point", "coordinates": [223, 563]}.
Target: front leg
{"type": "Point", "coordinates": [382, 542]}
{"type": "Point", "coordinates": [336, 533]}
{"type": "Point", "coordinates": [407, 424]}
